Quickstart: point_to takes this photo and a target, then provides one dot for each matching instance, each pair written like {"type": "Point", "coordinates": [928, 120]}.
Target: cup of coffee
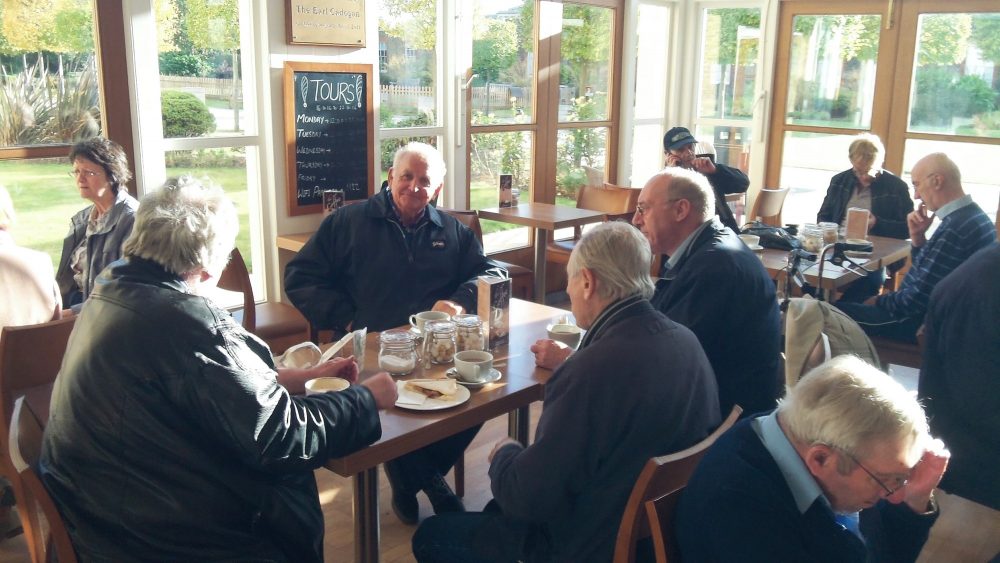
{"type": "Point", "coordinates": [568, 334]}
{"type": "Point", "coordinates": [473, 366]}
{"type": "Point", "coordinates": [417, 321]}
{"type": "Point", "coordinates": [753, 241]}
{"type": "Point", "coordinates": [326, 385]}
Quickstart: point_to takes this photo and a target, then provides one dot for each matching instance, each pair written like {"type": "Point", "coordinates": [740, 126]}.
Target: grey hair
{"type": "Point", "coordinates": [692, 186]}
{"type": "Point", "coordinates": [185, 226]}
{"type": "Point", "coordinates": [430, 155]}
{"type": "Point", "coordinates": [619, 256]}
{"type": "Point", "coordinates": [850, 405]}
{"type": "Point", "coordinates": [869, 145]}
{"type": "Point", "coordinates": [7, 215]}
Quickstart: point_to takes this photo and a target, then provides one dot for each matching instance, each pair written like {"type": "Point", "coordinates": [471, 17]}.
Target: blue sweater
{"type": "Point", "coordinates": [963, 232]}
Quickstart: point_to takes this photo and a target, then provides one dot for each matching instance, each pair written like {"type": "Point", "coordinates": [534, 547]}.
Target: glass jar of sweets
{"type": "Point", "coordinates": [397, 353]}
{"type": "Point", "coordinates": [812, 237]}
{"type": "Point", "coordinates": [829, 232]}
{"type": "Point", "coordinates": [439, 341]}
{"type": "Point", "coordinates": [469, 333]}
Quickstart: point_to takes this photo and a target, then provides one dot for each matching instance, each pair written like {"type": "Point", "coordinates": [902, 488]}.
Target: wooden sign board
{"type": "Point", "coordinates": [325, 22]}
{"type": "Point", "coordinates": [329, 133]}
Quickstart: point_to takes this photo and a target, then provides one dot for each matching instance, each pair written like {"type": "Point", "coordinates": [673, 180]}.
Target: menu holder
{"type": "Point", "coordinates": [857, 223]}
{"type": "Point", "coordinates": [494, 309]}
{"type": "Point", "coordinates": [506, 190]}
{"type": "Point", "coordinates": [332, 201]}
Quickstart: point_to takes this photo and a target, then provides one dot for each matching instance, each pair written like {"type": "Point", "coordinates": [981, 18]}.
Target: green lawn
{"type": "Point", "coordinates": [45, 197]}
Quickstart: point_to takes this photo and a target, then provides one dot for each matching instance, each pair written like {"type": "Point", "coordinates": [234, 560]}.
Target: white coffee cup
{"type": "Point", "coordinates": [417, 321]}
{"type": "Point", "coordinates": [750, 240]}
{"type": "Point", "coordinates": [568, 334]}
{"type": "Point", "coordinates": [473, 366]}
{"type": "Point", "coordinates": [326, 385]}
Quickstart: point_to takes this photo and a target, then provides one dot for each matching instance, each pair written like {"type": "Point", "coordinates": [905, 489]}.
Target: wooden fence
{"type": "Point", "coordinates": [202, 87]}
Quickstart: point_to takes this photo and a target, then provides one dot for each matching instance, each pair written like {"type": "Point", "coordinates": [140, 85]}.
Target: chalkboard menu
{"type": "Point", "coordinates": [329, 134]}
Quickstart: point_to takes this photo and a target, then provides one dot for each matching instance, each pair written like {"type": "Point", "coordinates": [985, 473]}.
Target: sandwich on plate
{"type": "Point", "coordinates": [444, 389]}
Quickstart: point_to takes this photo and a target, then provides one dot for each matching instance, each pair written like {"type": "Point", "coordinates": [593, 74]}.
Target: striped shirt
{"type": "Point", "coordinates": [964, 229]}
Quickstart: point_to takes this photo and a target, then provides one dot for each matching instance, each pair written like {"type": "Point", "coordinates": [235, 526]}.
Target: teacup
{"type": "Point", "coordinates": [753, 241]}
{"type": "Point", "coordinates": [417, 321]}
{"type": "Point", "coordinates": [473, 366]}
{"type": "Point", "coordinates": [326, 385]}
{"type": "Point", "coordinates": [568, 334]}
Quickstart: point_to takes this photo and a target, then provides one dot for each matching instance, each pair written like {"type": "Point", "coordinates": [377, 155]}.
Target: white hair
{"type": "Point", "coordinates": [185, 226]}
{"type": "Point", "coordinates": [619, 256]}
{"type": "Point", "coordinates": [431, 156]}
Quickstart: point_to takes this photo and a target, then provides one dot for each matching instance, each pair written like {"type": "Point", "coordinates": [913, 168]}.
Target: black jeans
{"type": "Point", "coordinates": [878, 322]}
{"type": "Point", "coordinates": [417, 468]}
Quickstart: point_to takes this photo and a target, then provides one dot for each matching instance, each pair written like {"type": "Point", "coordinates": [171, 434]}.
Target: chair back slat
{"type": "Point", "coordinates": [30, 356]}
{"type": "Point", "coordinates": [768, 205]}
{"type": "Point", "coordinates": [43, 526]}
{"type": "Point", "coordinates": [661, 476]}
{"type": "Point", "coordinates": [236, 278]}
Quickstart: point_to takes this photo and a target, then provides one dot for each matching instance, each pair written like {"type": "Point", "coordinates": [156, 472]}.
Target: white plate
{"type": "Point", "coordinates": [461, 396]}
{"type": "Point", "coordinates": [493, 376]}
{"type": "Point", "coordinates": [857, 253]}
{"type": "Point", "coordinates": [756, 247]}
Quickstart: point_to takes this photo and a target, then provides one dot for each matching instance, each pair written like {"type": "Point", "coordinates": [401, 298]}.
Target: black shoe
{"type": "Point", "coordinates": [442, 498]}
{"type": "Point", "coordinates": [404, 503]}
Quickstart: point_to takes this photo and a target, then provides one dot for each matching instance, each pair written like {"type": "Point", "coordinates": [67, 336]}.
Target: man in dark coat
{"type": "Point", "coordinates": [713, 284]}
{"type": "Point", "coordinates": [679, 150]}
{"type": "Point", "coordinates": [639, 386]}
{"type": "Point", "coordinates": [171, 436]}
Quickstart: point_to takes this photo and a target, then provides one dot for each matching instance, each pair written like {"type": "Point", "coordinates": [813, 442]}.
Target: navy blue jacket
{"type": "Point", "coordinates": [363, 269]}
{"type": "Point", "coordinates": [738, 507]}
{"type": "Point", "coordinates": [720, 290]}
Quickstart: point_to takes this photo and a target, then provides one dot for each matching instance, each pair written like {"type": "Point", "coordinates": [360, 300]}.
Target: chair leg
{"type": "Point", "coordinates": [460, 477]}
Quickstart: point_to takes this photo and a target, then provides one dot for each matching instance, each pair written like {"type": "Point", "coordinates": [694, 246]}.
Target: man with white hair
{"type": "Point", "coordinates": [964, 229]}
{"type": "Point", "coordinates": [374, 264]}
{"type": "Point", "coordinates": [842, 471]}
{"type": "Point", "coordinates": [639, 386]}
{"type": "Point", "coordinates": [171, 435]}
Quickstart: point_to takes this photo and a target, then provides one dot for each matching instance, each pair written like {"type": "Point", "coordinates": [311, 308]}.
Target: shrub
{"type": "Point", "coordinates": [184, 115]}
{"type": "Point", "coordinates": [174, 63]}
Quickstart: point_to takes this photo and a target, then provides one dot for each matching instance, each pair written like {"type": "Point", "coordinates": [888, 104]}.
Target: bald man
{"type": "Point", "coordinates": [964, 229]}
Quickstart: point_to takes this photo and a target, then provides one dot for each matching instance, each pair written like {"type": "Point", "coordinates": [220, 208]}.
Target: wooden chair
{"type": "Point", "coordinates": [900, 353]}
{"type": "Point", "coordinates": [663, 476]}
{"type": "Point", "coordinates": [522, 280]}
{"type": "Point", "coordinates": [43, 526]}
{"type": "Point", "coordinates": [30, 356]}
{"type": "Point", "coordinates": [767, 206]}
{"type": "Point", "coordinates": [279, 324]}
{"type": "Point", "coordinates": [618, 202]}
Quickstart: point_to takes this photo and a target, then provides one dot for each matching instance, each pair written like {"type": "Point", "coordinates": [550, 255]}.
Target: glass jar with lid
{"type": "Point", "coordinates": [397, 353]}
{"type": "Point", "coordinates": [439, 341]}
{"type": "Point", "coordinates": [812, 237]}
{"type": "Point", "coordinates": [829, 232]}
{"type": "Point", "coordinates": [469, 334]}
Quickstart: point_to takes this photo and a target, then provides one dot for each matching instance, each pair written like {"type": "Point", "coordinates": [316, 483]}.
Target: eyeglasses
{"type": "Point", "coordinates": [85, 173]}
{"type": "Point", "coordinates": [916, 184]}
{"type": "Point", "coordinates": [642, 208]}
{"type": "Point", "coordinates": [900, 482]}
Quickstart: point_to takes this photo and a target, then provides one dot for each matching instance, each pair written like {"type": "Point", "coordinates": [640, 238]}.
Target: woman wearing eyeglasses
{"type": "Point", "coordinates": [96, 233]}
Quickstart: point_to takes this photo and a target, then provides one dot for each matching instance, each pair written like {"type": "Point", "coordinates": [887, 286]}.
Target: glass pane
{"type": "Point", "coordinates": [492, 154]}
{"type": "Point", "coordinates": [977, 162]}
{"type": "Point", "coordinates": [200, 75]}
{"type": "Point", "coordinates": [956, 82]}
{"type": "Point", "coordinates": [584, 70]}
{"type": "Point", "coordinates": [407, 36]}
{"type": "Point", "coordinates": [731, 144]}
{"type": "Point", "coordinates": [227, 168]}
{"type": "Point", "coordinates": [651, 61]}
{"type": "Point", "coordinates": [729, 62]}
{"type": "Point", "coordinates": [45, 197]}
{"type": "Point", "coordinates": [49, 84]}
{"type": "Point", "coordinates": [809, 161]}
{"type": "Point", "coordinates": [503, 60]}
{"type": "Point", "coordinates": [581, 155]}
{"type": "Point", "coordinates": [647, 153]}
{"type": "Point", "coordinates": [832, 70]}
{"type": "Point", "coordinates": [388, 149]}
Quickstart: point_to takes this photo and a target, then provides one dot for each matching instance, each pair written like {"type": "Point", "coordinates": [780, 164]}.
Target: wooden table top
{"type": "Point", "coordinates": [293, 242]}
{"type": "Point", "coordinates": [543, 215]}
{"type": "Point", "coordinates": [885, 251]}
{"type": "Point", "coordinates": [404, 431]}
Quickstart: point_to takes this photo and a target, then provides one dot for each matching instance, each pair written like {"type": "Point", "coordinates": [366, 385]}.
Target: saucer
{"type": "Point", "coordinates": [494, 375]}
{"type": "Point", "coordinates": [756, 247]}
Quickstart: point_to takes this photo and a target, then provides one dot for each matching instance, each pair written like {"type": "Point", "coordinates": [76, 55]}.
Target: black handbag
{"type": "Point", "coordinates": [771, 236]}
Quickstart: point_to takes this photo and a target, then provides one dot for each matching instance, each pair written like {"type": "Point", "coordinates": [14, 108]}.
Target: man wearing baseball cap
{"type": "Point", "coordinates": [679, 149]}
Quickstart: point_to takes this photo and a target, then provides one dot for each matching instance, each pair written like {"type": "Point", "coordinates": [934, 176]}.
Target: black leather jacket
{"type": "Point", "coordinates": [170, 439]}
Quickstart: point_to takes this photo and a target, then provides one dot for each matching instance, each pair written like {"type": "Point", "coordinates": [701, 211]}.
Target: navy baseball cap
{"type": "Point", "coordinates": [676, 138]}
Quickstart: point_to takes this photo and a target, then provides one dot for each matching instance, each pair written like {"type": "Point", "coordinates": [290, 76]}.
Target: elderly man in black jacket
{"type": "Point", "coordinates": [373, 265]}
{"type": "Point", "coordinates": [171, 436]}
{"type": "Point", "coordinates": [679, 150]}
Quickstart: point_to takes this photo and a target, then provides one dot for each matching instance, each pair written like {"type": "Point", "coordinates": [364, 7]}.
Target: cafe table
{"type": "Point", "coordinates": [543, 217]}
{"type": "Point", "coordinates": [404, 431]}
{"type": "Point", "coordinates": [885, 251]}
